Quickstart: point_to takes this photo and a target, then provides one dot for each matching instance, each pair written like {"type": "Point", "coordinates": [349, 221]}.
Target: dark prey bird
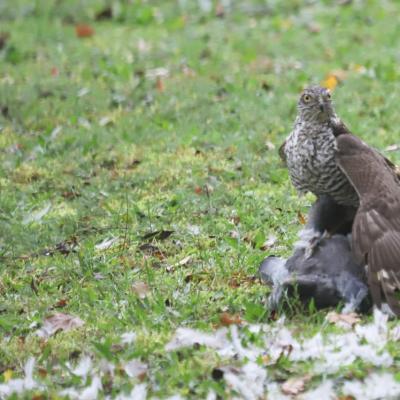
{"type": "Point", "coordinates": [329, 276]}
{"type": "Point", "coordinates": [376, 227]}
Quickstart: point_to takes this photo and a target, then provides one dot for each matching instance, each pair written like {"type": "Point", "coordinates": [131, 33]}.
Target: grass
{"type": "Point", "coordinates": [92, 147]}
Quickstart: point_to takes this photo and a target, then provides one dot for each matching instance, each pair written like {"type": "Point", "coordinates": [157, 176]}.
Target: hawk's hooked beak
{"type": "Point", "coordinates": [321, 105]}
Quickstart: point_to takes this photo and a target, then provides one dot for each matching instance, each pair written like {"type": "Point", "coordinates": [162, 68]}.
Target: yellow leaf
{"type": "Point", "coordinates": [330, 82]}
{"type": "Point", "coordinates": [7, 375]}
{"type": "Point", "coordinates": [360, 69]}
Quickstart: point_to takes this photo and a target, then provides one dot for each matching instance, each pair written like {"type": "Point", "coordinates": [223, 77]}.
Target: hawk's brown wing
{"type": "Point", "coordinates": [376, 228]}
{"type": "Point", "coordinates": [376, 241]}
{"type": "Point", "coordinates": [339, 128]}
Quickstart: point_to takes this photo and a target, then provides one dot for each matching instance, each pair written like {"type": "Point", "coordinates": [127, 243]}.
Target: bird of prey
{"type": "Point", "coordinates": [376, 227]}
{"type": "Point", "coordinates": [309, 153]}
{"type": "Point", "coordinates": [329, 276]}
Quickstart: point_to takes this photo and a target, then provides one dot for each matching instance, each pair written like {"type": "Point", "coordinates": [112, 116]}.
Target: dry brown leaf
{"type": "Point", "coordinates": [227, 319]}
{"type": "Point", "coordinates": [61, 303]}
{"type": "Point", "coordinates": [84, 31]}
{"type": "Point", "coordinates": [343, 320]}
{"type": "Point", "coordinates": [294, 386]}
{"type": "Point", "coordinates": [58, 322]}
{"type": "Point", "coordinates": [141, 289]}
{"type": "Point", "coordinates": [301, 218]}
{"type": "Point", "coordinates": [160, 84]}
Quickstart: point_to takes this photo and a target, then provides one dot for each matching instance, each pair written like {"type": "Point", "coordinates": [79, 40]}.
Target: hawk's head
{"type": "Point", "coordinates": [315, 104]}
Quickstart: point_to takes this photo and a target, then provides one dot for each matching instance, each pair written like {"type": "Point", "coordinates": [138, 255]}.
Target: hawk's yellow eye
{"type": "Point", "coordinates": [306, 98]}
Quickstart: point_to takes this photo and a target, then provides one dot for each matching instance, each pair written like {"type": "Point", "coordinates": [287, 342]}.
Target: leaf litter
{"type": "Point", "coordinates": [58, 322]}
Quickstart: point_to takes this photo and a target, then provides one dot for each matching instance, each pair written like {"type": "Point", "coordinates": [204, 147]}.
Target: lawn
{"type": "Point", "coordinates": [140, 188]}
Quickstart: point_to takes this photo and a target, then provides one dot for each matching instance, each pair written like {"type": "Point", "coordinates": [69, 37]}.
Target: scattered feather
{"type": "Point", "coordinates": [83, 368]}
{"type": "Point", "coordinates": [375, 387]}
{"type": "Point", "coordinates": [106, 244]}
{"type": "Point", "coordinates": [36, 216]}
{"type": "Point", "coordinates": [185, 337]}
{"type": "Point", "coordinates": [20, 385]}
{"type": "Point", "coordinates": [294, 386]}
{"type": "Point", "coordinates": [128, 337]}
{"type": "Point", "coordinates": [135, 369]}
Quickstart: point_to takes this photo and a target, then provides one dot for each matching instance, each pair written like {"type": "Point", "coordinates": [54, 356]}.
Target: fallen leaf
{"type": "Point", "coordinates": [84, 30]}
{"type": "Point", "coordinates": [219, 10]}
{"type": "Point", "coordinates": [4, 36]}
{"type": "Point", "coordinates": [70, 194]}
{"type": "Point", "coordinates": [54, 71]}
{"type": "Point", "coordinates": [61, 303]}
{"type": "Point", "coordinates": [343, 320]}
{"type": "Point", "coordinates": [227, 319]}
{"type": "Point", "coordinates": [301, 218]}
{"type": "Point", "coordinates": [360, 69]}
{"type": "Point", "coordinates": [42, 372]}
{"type": "Point", "coordinates": [141, 289]}
{"type": "Point", "coordinates": [160, 235]}
{"type": "Point", "coordinates": [152, 250]}
{"type": "Point", "coordinates": [133, 164]}
{"type": "Point", "coordinates": [294, 386]}
{"type": "Point", "coordinates": [313, 27]}
{"type": "Point", "coordinates": [198, 190]}
{"type": "Point", "coordinates": [7, 375]}
{"type": "Point", "coordinates": [270, 242]}
{"type": "Point", "coordinates": [105, 13]}
{"type": "Point", "coordinates": [184, 261]}
{"type": "Point", "coordinates": [160, 84]}
{"type": "Point", "coordinates": [330, 82]}
{"type": "Point", "coordinates": [58, 322]}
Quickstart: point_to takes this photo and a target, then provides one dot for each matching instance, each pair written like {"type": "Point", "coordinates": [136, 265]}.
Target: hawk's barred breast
{"type": "Point", "coordinates": [310, 157]}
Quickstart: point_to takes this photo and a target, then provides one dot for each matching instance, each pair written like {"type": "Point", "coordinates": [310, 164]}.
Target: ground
{"type": "Point", "coordinates": [140, 184]}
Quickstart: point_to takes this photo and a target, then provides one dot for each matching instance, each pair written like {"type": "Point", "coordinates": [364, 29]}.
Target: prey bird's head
{"type": "Point", "coordinates": [315, 104]}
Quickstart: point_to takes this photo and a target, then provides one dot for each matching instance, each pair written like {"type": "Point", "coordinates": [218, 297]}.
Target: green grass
{"type": "Point", "coordinates": [87, 134]}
